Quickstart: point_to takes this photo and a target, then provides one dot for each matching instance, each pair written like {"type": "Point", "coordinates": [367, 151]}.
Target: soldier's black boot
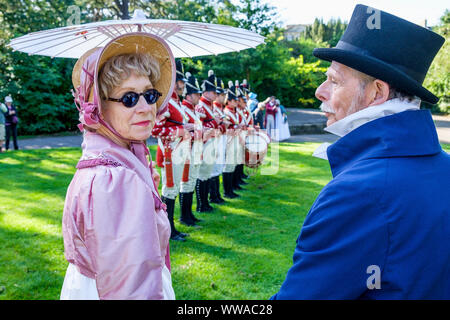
{"type": "Point", "coordinates": [235, 180]}
{"type": "Point", "coordinates": [198, 193]}
{"type": "Point", "coordinates": [228, 185]}
{"type": "Point", "coordinates": [185, 217]}
{"type": "Point", "coordinates": [214, 191]}
{"type": "Point", "coordinates": [217, 183]}
{"type": "Point", "coordinates": [206, 206]}
{"type": "Point", "coordinates": [189, 197]}
{"type": "Point", "coordinates": [174, 233]}
{"type": "Point", "coordinates": [242, 175]}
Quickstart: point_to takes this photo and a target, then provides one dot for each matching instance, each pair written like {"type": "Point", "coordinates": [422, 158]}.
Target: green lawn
{"type": "Point", "coordinates": [242, 251]}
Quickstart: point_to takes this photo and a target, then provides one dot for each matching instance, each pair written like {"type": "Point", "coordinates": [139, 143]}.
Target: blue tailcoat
{"type": "Point", "coordinates": [388, 205]}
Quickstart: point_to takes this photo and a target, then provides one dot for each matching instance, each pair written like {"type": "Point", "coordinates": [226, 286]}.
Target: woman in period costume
{"type": "Point", "coordinates": [115, 227]}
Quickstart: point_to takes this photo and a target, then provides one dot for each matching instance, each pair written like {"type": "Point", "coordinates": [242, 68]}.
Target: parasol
{"type": "Point", "coordinates": [185, 38]}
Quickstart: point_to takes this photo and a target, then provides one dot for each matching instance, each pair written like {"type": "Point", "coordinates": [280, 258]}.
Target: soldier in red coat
{"type": "Point", "coordinates": [205, 112]}
{"type": "Point", "coordinates": [246, 121]}
{"type": "Point", "coordinates": [191, 168]}
{"type": "Point", "coordinates": [221, 139]}
{"type": "Point", "coordinates": [173, 137]}
{"type": "Point", "coordinates": [233, 141]}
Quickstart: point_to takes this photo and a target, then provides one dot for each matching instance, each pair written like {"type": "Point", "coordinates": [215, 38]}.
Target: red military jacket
{"type": "Point", "coordinates": [248, 117]}
{"type": "Point", "coordinates": [192, 117]}
{"type": "Point", "coordinates": [189, 110]}
{"type": "Point", "coordinates": [205, 111]}
{"type": "Point", "coordinates": [170, 127]}
{"type": "Point", "coordinates": [218, 112]}
{"type": "Point", "coordinates": [232, 117]}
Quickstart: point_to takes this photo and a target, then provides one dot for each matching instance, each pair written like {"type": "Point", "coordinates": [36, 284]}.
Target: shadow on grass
{"type": "Point", "coordinates": [31, 265]}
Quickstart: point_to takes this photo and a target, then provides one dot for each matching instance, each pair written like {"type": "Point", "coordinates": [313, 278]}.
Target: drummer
{"type": "Point", "coordinates": [233, 142]}
{"type": "Point", "coordinates": [204, 111]}
{"type": "Point", "coordinates": [173, 136]}
{"type": "Point", "coordinates": [244, 124]}
{"type": "Point", "coordinates": [218, 109]}
{"type": "Point", "coordinates": [191, 95]}
{"type": "Point", "coordinates": [247, 115]}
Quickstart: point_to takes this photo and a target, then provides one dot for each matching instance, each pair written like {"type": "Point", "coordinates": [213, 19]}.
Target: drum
{"type": "Point", "coordinates": [256, 145]}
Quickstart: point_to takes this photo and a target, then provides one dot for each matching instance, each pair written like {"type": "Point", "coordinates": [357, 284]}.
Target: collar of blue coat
{"type": "Point", "coordinates": [409, 133]}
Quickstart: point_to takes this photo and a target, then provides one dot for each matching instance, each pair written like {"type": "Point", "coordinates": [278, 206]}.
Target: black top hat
{"type": "Point", "coordinates": [191, 85]}
{"type": "Point", "coordinates": [388, 48]}
{"type": "Point", "coordinates": [211, 83]}
{"type": "Point", "coordinates": [232, 91]}
{"type": "Point", "coordinates": [180, 71]}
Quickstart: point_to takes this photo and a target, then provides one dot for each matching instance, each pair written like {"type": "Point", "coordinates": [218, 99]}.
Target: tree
{"type": "Point", "coordinates": [438, 77]}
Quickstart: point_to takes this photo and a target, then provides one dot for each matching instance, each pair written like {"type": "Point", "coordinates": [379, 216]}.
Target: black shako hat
{"type": "Point", "coordinates": [220, 86]}
{"type": "Point", "coordinates": [245, 86]}
{"type": "Point", "coordinates": [180, 72]}
{"type": "Point", "coordinates": [388, 48]}
{"type": "Point", "coordinates": [232, 91]}
{"type": "Point", "coordinates": [191, 85]}
{"type": "Point", "coordinates": [211, 83]}
{"type": "Point", "coordinates": [239, 90]}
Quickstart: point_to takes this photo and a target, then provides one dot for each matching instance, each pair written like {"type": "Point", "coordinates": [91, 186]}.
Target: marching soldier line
{"type": "Point", "coordinates": [207, 134]}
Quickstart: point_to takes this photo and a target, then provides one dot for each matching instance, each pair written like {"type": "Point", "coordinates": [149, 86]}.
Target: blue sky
{"type": "Point", "coordinates": [304, 11]}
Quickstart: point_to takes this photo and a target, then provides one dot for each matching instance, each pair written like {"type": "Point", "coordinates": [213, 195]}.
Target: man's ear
{"type": "Point", "coordinates": [379, 92]}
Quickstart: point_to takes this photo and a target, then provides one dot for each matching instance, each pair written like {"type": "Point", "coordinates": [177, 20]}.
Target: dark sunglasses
{"type": "Point", "coordinates": [130, 99]}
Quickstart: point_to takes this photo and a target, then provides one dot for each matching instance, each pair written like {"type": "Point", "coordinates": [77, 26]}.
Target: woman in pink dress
{"type": "Point", "coordinates": [115, 228]}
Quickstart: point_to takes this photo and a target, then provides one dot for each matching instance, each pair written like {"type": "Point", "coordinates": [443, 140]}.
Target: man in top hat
{"type": "Point", "coordinates": [205, 112]}
{"type": "Point", "coordinates": [173, 137]}
{"type": "Point", "coordinates": [221, 139]}
{"type": "Point", "coordinates": [380, 229]}
{"type": "Point", "coordinates": [191, 95]}
{"type": "Point", "coordinates": [233, 141]}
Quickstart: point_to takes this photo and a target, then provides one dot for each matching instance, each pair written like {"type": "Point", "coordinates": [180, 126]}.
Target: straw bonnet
{"type": "Point", "coordinates": [86, 69]}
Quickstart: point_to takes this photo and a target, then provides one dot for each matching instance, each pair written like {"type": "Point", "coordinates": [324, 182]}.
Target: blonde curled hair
{"type": "Point", "coordinates": [119, 68]}
{"type": "Point", "coordinates": [115, 71]}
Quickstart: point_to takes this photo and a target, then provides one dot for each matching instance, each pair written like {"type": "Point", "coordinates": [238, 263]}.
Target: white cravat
{"type": "Point", "coordinates": [357, 119]}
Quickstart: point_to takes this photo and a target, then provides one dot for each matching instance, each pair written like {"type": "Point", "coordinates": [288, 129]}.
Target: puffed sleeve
{"type": "Point", "coordinates": [121, 236]}
{"type": "Point", "coordinates": [342, 236]}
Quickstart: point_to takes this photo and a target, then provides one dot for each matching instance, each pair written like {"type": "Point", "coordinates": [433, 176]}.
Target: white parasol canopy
{"type": "Point", "coordinates": [185, 38]}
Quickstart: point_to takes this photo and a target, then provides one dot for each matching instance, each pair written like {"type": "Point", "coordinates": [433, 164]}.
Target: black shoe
{"type": "Point", "coordinates": [177, 237]}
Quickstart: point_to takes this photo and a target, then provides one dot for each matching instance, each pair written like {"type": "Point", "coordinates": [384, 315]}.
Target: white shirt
{"type": "Point", "coordinates": [357, 119]}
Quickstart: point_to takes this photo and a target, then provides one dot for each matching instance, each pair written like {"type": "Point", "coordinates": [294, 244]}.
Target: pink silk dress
{"type": "Point", "coordinates": [115, 228]}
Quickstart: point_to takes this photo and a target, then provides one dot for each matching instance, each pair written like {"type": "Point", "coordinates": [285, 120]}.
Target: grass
{"type": "Point", "coordinates": [242, 251]}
